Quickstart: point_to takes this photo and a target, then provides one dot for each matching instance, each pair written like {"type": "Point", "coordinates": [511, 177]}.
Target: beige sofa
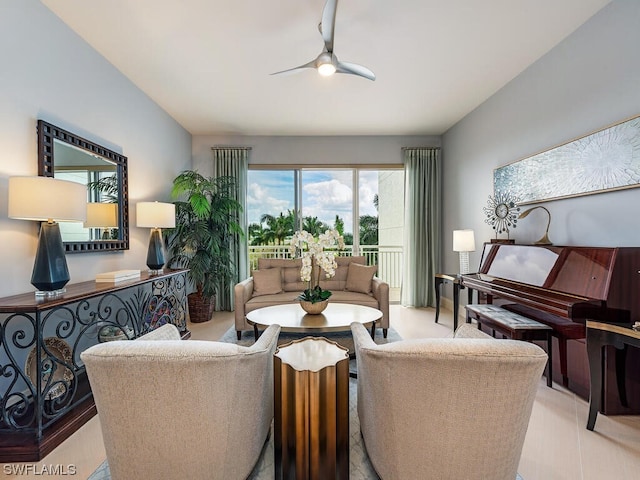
{"type": "Point", "coordinates": [446, 409]}
{"type": "Point", "coordinates": [172, 408]}
{"type": "Point", "coordinates": [277, 281]}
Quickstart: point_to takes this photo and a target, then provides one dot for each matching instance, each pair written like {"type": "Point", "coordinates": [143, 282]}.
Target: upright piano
{"type": "Point", "coordinates": [563, 287]}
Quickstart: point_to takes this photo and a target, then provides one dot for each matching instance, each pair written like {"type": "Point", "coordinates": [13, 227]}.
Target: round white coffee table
{"type": "Point", "coordinates": [337, 317]}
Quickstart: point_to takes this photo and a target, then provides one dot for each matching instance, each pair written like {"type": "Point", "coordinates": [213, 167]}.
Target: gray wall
{"type": "Point", "coordinates": [347, 150]}
{"type": "Point", "coordinates": [48, 72]}
{"type": "Point", "coordinates": [589, 81]}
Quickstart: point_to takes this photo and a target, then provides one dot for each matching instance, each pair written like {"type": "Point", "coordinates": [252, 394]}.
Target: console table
{"type": "Point", "coordinates": [456, 280]}
{"type": "Point", "coordinates": [598, 336]}
{"type": "Point", "coordinates": [45, 394]}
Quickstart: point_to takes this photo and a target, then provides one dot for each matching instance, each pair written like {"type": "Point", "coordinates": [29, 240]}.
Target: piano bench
{"type": "Point", "coordinates": [563, 329]}
{"type": "Point", "coordinates": [514, 326]}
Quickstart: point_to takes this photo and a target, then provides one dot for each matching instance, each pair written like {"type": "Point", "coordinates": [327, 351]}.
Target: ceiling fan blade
{"type": "Point", "coordinates": [355, 69]}
{"type": "Point", "coordinates": [311, 64]}
{"type": "Point", "coordinates": [328, 23]}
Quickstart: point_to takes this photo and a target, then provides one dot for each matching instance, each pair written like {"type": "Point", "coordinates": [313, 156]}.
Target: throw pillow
{"type": "Point", "coordinates": [291, 281]}
{"type": "Point", "coordinates": [267, 282]}
{"type": "Point", "coordinates": [359, 277]}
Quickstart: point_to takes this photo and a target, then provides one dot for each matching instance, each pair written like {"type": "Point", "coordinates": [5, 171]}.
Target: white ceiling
{"type": "Point", "coordinates": [207, 62]}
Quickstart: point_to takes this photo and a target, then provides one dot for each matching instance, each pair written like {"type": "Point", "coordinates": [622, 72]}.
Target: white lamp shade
{"type": "Point", "coordinates": [47, 198]}
{"type": "Point", "coordinates": [101, 215]}
{"type": "Point", "coordinates": [464, 241]}
{"type": "Point", "coordinates": [155, 215]}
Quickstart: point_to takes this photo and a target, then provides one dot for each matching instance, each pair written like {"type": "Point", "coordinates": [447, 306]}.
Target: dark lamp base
{"type": "Point", "coordinates": [50, 272]}
{"type": "Point", "coordinates": [155, 252]}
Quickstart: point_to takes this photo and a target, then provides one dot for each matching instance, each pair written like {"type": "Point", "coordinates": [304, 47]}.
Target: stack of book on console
{"type": "Point", "coordinates": [118, 276]}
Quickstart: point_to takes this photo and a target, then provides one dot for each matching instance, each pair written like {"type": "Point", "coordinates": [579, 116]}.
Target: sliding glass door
{"type": "Point", "coordinates": [365, 205]}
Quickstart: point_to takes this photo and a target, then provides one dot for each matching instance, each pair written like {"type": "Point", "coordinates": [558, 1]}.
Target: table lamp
{"type": "Point", "coordinates": [102, 215]}
{"type": "Point", "coordinates": [545, 238]}
{"type": "Point", "coordinates": [464, 242]}
{"type": "Point", "coordinates": [48, 200]}
{"type": "Point", "coordinates": [155, 215]}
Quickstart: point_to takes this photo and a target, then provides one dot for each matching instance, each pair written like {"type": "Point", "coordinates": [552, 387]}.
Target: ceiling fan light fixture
{"type": "Point", "coordinates": [326, 64]}
{"type": "Point", "coordinates": [326, 69]}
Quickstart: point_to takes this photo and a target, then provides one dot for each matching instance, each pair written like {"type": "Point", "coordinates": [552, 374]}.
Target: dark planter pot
{"type": "Point", "coordinates": [200, 308]}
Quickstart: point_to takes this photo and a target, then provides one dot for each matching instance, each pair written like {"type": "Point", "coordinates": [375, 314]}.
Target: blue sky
{"type": "Point", "coordinates": [325, 194]}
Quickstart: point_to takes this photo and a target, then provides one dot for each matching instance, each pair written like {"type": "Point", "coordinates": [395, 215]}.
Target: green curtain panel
{"type": "Point", "coordinates": [234, 162]}
{"type": "Point", "coordinates": [422, 173]}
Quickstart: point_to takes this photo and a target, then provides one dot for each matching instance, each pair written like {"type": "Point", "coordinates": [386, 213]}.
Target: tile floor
{"type": "Point", "coordinates": [557, 447]}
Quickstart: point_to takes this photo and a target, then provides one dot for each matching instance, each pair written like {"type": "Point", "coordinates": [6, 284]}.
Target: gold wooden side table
{"type": "Point", "coordinates": [311, 410]}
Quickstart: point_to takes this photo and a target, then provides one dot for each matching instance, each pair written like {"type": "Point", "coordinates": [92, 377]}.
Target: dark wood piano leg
{"type": "Point", "coordinates": [550, 360]}
{"type": "Point", "coordinates": [562, 349]}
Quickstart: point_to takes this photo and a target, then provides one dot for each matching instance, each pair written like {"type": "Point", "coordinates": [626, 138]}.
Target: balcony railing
{"type": "Point", "coordinates": [388, 258]}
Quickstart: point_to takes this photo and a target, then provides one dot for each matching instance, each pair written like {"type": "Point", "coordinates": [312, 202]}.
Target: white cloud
{"type": "Point", "coordinates": [259, 202]}
{"type": "Point", "coordinates": [368, 189]}
{"type": "Point", "coordinates": [325, 195]}
{"type": "Point", "coordinates": [326, 199]}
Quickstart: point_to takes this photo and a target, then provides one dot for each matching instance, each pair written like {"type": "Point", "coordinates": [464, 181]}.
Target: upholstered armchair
{"type": "Point", "coordinates": [172, 408]}
{"type": "Point", "coordinates": [446, 408]}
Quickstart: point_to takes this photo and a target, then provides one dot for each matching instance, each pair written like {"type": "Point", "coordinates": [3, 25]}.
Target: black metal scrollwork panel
{"type": "Point", "coordinates": [41, 374]}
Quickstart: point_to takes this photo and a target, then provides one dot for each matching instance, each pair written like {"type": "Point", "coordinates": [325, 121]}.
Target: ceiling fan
{"type": "Point", "coordinates": [327, 63]}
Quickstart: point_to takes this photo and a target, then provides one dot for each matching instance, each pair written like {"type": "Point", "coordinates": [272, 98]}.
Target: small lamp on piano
{"type": "Point", "coordinates": [50, 201]}
{"type": "Point", "coordinates": [156, 216]}
{"type": "Point", "coordinates": [545, 238]}
{"type": "Point", "coordinates": [463, 243]}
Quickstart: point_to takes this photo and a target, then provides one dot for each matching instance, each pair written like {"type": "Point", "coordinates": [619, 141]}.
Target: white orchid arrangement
{"type": "Point", "coordinates": [308, 248]}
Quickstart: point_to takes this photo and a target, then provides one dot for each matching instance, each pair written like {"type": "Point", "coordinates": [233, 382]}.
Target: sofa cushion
{"type": "Point", "coordinates": [345, 296]}
{"type": "Point", "coordinates": [291, 281]}
{"type": "Point", "coordinates": [359, 278]}
{"type": "Point", "coordinates": [267, 282]}
{"type": "Point", "coordinates": [270, 300]}
{"type": "Point", "coordinates": [290, 272]}
{"type": "Point", "coordinates": [264, 263]}
{"type": "Point", "coordinates": [338, 296]}
{"type": "Point", "coordinates": [339, 280]}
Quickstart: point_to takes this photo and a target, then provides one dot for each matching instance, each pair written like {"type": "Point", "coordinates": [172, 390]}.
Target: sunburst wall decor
{"type": "Point", "coordinates": [502, 212]}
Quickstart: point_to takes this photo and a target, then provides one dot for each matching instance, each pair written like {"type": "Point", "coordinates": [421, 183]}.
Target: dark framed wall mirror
{"type": "Point", "coordinates": [67, 156]}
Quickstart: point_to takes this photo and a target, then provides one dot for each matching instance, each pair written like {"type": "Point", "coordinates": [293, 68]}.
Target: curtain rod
{"type": "Point", "coordinates": [421, 148]}
{"type": "Point", "coordinates": [222, 147]}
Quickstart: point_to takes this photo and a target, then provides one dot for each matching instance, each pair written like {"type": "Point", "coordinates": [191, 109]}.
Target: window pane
{"type": "Point", "coordinates": [270, 206]}
{"type": "Point", "coordinates": [368, 207]}
{"type": "Point", "coordinates": [327, 201]}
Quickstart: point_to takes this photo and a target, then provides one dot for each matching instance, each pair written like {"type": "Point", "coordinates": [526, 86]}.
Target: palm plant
{"type": "Point", "coordinates": [368, 230]}
{"type": "Point", "coordinates": [106, 187]}
{"type": "Point", "coordinates": [278, 228]}
{"type": "Point", "coordinates": [206, 220]}
{"type": "Point", "coordinates": [314, 226]}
